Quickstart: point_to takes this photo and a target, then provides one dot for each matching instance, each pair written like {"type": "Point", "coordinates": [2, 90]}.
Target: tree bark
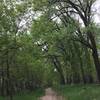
{"type": "Point", "coordinates": [7, 81]}
{"type": "Point", "coordinates": [9, 87]}
{"type": "Point", "coordinates": [2, 81]}
{"type": "Point", "coordinates": [95, 55]}
{"type": "Point", "coordinates": [96, 62]}
{"type": "Point", "coordinates": [59, 69]}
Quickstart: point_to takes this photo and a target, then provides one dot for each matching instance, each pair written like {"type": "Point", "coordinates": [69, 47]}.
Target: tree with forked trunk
{"type": "Point", "coordinates": [71, 9]}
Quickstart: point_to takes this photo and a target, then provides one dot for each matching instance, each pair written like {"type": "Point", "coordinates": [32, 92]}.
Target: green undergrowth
{"type": "Point", "coordinates": [69, 92]}
{"type": "Point", "coordinates": [26, 95]}
{"type": "Point", "coordinates": [80, 92]}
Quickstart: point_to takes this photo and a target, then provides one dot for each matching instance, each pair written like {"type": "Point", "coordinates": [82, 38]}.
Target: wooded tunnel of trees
{"type": "Point", "coordinates": [47, 42]}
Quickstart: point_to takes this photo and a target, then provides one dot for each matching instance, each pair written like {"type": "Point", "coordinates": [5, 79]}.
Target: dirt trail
{"type": "Point", "coordinates": [51, 95]}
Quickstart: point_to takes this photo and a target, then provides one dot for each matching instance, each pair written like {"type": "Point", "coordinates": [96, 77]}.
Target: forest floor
{"type": "Point", "coordinates": [69, 92]}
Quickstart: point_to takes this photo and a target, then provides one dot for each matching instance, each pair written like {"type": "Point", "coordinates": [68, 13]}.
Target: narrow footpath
{"type": "Point", "coordinates": [50, 94]}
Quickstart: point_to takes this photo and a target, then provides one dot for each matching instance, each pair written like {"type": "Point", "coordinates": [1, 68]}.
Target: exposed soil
{"type": "Point", "coordinates": [51, 95]}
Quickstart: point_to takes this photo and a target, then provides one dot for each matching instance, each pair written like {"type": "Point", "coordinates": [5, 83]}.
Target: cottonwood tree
{"type": "Point", "coordinates": [66, 55]}
{"type": "Point", "coordinates": [68, 11]}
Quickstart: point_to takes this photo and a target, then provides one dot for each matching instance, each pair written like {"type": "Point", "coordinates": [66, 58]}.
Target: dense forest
{"type": "Point", "coordinates": [45, 43]}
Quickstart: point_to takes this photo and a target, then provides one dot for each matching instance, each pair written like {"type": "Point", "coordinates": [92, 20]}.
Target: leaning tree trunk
{"type": "Point", "coordinates": [59, 69]}
{"type": "Point", "coordinates": [95, 55]}
{"type": "Point", "coordinates": [96, 62]}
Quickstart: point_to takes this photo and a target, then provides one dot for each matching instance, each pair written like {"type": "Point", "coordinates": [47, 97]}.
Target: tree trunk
{"type": "Point", "coordinates": [7, 81]}
{"type": "Point", "coordinates": [9, 89]}
{"type": "Point", "coordinates": [95, 55]}
{"type": "Point", "coordinates": [2, 79]}
{"type": "Point", "coordinates": [59, 69]}
{"type": "Point", "coordinates": [96, 62]}
{"type": "Point", "coordinates": [83, 75]}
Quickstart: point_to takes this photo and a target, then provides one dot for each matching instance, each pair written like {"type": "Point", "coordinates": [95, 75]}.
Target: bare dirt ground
{"type": "Point", "coordinates": [51, 95]}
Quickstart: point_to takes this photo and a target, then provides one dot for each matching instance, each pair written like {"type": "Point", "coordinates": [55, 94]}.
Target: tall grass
{"type": "Point", "coordinates": [74, 92]}
{"type": "Point", "coordinates": [80, 92]}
